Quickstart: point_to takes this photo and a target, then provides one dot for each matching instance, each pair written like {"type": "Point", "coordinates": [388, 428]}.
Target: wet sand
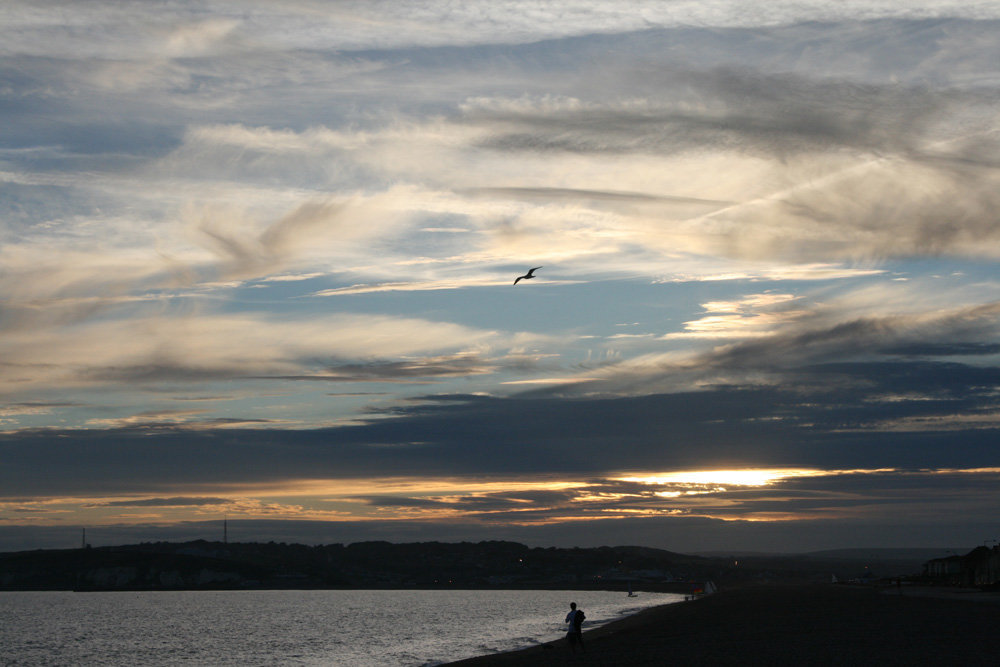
{"type": "Point", "coordinates": [790, 625]}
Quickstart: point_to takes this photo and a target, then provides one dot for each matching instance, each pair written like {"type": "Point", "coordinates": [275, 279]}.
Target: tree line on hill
{"type": "Point", "coordinates": [490, 564]}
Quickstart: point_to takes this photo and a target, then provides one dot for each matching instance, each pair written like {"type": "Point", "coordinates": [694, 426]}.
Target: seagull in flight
{"type": "Point", "coordinates": [527, 276]}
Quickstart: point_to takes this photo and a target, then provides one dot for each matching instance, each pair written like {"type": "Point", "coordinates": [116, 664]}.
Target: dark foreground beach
{"type": "Point", "coordinates": [791, 625]}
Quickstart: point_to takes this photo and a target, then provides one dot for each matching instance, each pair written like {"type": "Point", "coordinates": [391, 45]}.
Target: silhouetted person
{"type": "Point", "coordinates": [575, 633]}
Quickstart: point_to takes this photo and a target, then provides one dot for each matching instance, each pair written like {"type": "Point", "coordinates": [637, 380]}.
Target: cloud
{"type": "Point", "coordinates": [935, 349]}
{"type": "Point", "coordinates": [148, 419]}
{"type": "Point", "coordinates": [32, 408]}
{"type": "Point", "coordinates": [846, 146]}
{"type": "Point", "coordinates": [547, 194]}
{"type": "Point", "coordinates": [822, 509]}
{"type": "Point", "coordinates": [180, 501]}
{"type": "Point", "coordinates": [305, 25]}
{"type": "Point", "coordinates": [830, 419]}
{"type": "Point", "coordinates": [813, 339]}
{"type": "Point", "coordinates": [828, 211]}
{"type": "Point", "coordinates": [404, 371]}
{"type": "Point", "coordinates": [414, 286]}
{"type": "Point", "coordinates": [245, 256]}
{"type": "Point", "coordinates": [178, 420]}
{"type": "Point", "coordinates": [705, 272]}
{"type": "Point", "coordinates": [754, 315]}
{"type": "Point", "coordinates": [209, 347]}
{"type": "Point", "coordinates": [777, 339]}
{"type": "Point", "coordinates": [175, 184]}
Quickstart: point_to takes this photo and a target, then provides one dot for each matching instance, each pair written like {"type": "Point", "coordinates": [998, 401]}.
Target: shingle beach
{"type": "Point", "coordinates": [791, 625]}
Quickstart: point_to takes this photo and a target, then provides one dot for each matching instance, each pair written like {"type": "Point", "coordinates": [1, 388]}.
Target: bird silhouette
{"type": "Point", "coordinates": [527, 276]}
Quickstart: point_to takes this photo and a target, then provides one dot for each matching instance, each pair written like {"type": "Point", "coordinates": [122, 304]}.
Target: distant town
{"type": "Point", "coordinates": [491, 564]}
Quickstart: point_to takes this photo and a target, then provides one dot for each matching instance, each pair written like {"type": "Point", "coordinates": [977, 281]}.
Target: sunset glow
{"type": "Point", "coordinates": [261, 260]}
{"type": "Point", "coordinates": [723, 477]}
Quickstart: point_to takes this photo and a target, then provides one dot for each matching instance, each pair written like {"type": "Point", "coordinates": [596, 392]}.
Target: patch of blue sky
{"type": "Point", "coordinates": [287, 220]}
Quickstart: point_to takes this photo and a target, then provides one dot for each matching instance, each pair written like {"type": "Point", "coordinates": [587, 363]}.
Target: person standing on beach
{"type": "Point", "coordinates": [575, 633]}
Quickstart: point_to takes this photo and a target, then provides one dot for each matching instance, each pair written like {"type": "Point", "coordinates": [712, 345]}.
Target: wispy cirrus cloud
{"type": "Point", "coordinates": [210, 29]}
{"type": "Point", "coordinates": [778, 338]}
{"type": "Point", "coordinates": [792, 206]}
{"type": "Point", "coordinates": [179, 501]}
{"type": "Point", "coordinates": [834, 172]}
{"type": "Point", "coordinates": [178, 349]}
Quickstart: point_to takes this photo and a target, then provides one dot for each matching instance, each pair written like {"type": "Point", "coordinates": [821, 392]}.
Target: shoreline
{"type": "Point", "coordinates": [675, 588]}
{"type": "Point", "coordinates": [789, 625]}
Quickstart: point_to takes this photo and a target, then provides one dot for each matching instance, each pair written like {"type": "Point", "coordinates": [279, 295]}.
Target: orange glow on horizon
{"type": "Point", "coordinates": [749, 477]}
{"type": "Point", "coordinates": [537, 500]}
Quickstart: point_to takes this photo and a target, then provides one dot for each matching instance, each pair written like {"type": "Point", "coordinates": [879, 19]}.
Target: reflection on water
{"type": "Point", "coordinates": [247, 628]}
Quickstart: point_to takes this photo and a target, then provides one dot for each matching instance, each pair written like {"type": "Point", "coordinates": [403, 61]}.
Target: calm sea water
{"type": "Point", "coordinates": [247, 628]}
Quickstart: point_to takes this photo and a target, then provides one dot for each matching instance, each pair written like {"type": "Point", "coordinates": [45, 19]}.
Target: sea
{"type": "Point", "coordinates": [247, 628]}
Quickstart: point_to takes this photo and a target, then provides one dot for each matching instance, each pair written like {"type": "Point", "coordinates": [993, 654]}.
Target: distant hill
{"type": "Point", "coordinates": [915, 553]}
{"type": "Point", "coordinates": [493, 564]}
{"type": "Point", "coordinates": [920, 553]}
{"type": "Point", "coordinates": [845, 564]}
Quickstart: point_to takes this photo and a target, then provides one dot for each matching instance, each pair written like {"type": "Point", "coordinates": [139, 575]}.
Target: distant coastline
{"type": "Point", "coordinates": [201, 565]}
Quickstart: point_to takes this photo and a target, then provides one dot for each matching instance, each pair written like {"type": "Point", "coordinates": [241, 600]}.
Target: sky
{"type": "Point", "coordinates": [257, 264]}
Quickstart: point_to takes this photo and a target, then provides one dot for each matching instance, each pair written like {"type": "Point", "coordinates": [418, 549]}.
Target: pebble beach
{"type": "Point", "coordinates": [790, 625]}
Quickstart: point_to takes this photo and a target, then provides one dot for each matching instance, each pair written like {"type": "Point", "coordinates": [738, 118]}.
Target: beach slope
{"type": "Point", "coordinates": [789, 625]}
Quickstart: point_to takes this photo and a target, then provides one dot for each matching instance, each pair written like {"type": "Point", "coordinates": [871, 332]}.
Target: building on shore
{"type": "Point", "coordinates": [978, 568]}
